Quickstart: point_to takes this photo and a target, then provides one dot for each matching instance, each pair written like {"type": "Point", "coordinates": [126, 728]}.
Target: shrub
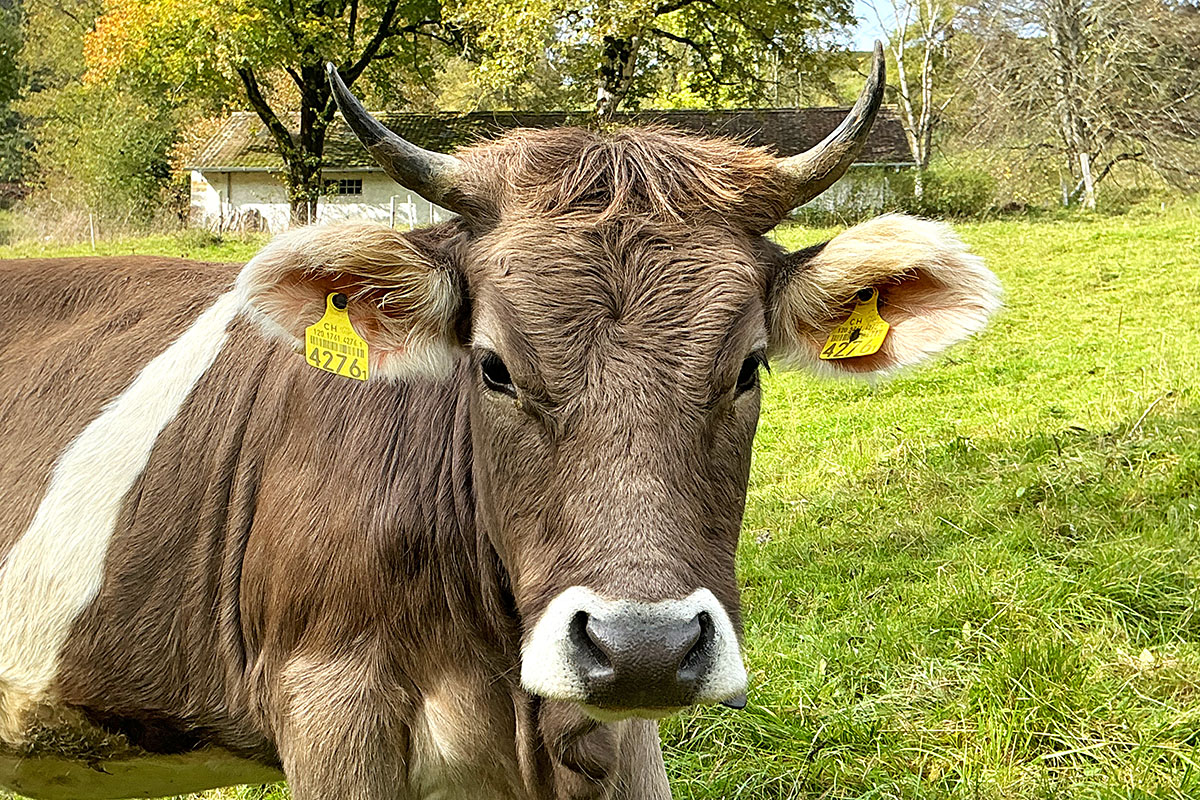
{"type": "Point", "coordinates": [947, 192]}
{"type": "Point", "coordinates": [104, 151]}
{"type": "Point", "coordinates": [955, 192]}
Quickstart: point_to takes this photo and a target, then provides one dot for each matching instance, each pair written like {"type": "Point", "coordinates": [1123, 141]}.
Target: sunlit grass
{"type": "Point", "coordinates": [980, 579]}
{"type": "Point", "coordinates": [199, 245]}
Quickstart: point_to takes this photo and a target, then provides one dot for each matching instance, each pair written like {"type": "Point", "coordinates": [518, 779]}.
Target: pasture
{"type": "Point", "coordinates": [978, 580]}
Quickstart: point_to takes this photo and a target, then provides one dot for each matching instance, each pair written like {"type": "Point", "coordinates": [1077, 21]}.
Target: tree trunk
{"type": "Point", "coordinates": [305, 184]}
{"type": "Point", "coordinates": [616, 74]}
{"type": "Point", "coordinates": [301, 152]}
{"type": "Point", "coordinates": [304, 192]}
{"type": "Point", "coordinates": [1089, 187]}
{"type": "Point", "coordinates": [304, 161]}
{"type": "Point", "coordinates": [1066, 25]}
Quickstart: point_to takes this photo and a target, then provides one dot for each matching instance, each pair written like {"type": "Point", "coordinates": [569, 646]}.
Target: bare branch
{"type": "Point", "coordinates": [279, 132]}
{"type": "Point", "coordinates": [351, 72]}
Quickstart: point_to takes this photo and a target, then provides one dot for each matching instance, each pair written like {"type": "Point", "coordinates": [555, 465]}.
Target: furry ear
{"type": "Point", "coordinates": [932, 291]}
{"type": "Point", "coordinates": [401, 301]}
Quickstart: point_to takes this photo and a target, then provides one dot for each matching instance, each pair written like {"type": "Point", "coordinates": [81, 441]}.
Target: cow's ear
{"type": "Point", "coordinates": [401, 300]}
{"type": "Point", "coordinates": [932, 292]}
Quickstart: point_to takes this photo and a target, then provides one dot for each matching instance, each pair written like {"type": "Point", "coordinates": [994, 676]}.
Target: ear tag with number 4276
{"type": "Point", "coordinates": [862, 333]}
{"type": "Point", "coordinates": [333, 345]}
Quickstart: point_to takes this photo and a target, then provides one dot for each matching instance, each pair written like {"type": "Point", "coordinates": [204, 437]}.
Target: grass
{"type": "Point", "coordinates": [980, 580]}
{"type": "Point", "coordinates": [200, 245]}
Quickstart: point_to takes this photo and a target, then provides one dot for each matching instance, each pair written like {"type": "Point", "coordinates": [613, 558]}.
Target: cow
{"type": "Point", "coordinates": [490, 568]}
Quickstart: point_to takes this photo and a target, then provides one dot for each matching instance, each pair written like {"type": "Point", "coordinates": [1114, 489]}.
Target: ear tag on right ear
{"type": "Point", "coordinates": [861, 334]}
{"type": "Point", "coordinates": [333, 345]}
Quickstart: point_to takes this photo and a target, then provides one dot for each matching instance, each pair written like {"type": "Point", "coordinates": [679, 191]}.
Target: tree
{"type": "Point", "coordinates": [95, 150]}
{"type": "Point", "coordinates": [271, 51]}
{"type": "Point", "coordinates": [730, 51]}
{"type": "Point", "coordinates": [1097, 82]}
{"type": "Point", "coordinates": [919, 43]}
{"type": "Point", "coordinates": [105, 150]}
{"type": "Point", "coordinates": [51, 54]}
{"type": "Point", "coordinates": [14, 141]}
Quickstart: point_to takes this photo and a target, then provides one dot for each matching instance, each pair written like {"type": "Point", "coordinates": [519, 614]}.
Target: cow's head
{"type": "Point", "coordinates": [617, 301]}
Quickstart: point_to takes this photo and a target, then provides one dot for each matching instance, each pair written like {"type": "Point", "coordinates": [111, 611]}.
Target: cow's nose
{"type": "Point", "coordinates": [635, 660]}
{"type": "Point", "coordinates": [632, 657]}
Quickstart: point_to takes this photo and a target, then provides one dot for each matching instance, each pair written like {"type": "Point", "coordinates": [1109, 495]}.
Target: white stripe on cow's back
{"type": "Point", "coordinates": [56, 568]}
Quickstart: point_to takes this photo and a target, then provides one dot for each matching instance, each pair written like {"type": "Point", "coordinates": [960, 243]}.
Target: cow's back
{"type": "Point", "coordinates": [73, 334]}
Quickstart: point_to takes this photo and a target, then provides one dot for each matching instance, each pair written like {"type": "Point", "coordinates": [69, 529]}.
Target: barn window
{"type": "Point", "coordinates": [346, 186]}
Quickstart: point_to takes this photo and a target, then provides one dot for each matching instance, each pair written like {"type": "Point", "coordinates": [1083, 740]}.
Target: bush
{"type": "Point", "coordinates": [7, 224]}
{"type": "Point", "coordinates": [199, 238]}
{"type": "Point", "coordinates": [947, 192]}
{"type": "Point", "coordinates": [105, 152]}
{"type": "Point", "coordinates": [954, 192]}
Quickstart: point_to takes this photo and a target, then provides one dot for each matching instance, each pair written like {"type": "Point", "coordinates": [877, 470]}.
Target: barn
{"type": "Point", "coordinates": [236, 175]}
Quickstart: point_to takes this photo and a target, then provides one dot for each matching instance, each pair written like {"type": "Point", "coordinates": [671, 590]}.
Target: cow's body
{"type": "Point", "coordinates": [487, 570]}
{"type": "Point", "coordinates": [285, 531]}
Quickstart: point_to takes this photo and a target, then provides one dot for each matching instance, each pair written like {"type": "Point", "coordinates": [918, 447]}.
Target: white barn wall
{"type": "Point", "coordinates": [218, 197]}
{"type": "Point", "coordinates": [863, 188]}
{"type": "Point", "coordinates": [205, 202]}
{"type": "Point", "coordinates": [375, 202]}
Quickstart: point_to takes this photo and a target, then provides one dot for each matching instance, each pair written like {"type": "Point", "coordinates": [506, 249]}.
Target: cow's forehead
{"type": "Point", "coordinates": [629, 275]}
{"type": "Point", "coordinates": [654, 298]}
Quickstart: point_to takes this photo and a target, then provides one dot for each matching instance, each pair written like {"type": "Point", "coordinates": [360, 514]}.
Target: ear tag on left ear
{"type": "Point", "coordinates": [861, 334]}
{"type": "Point", "coordinates": [333, 345]}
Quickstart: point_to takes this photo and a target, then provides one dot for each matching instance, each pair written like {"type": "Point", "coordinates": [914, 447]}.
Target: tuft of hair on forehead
{"type": "Point", "coordinates": [576, 174]}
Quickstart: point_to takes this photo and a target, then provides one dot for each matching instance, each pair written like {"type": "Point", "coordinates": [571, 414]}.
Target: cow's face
{"type": "Point", "coordinates": [612, 302]}
{"type": "Point", "coordinates": [613, 372]}
{"type": "Point", "coordinates": [615, 392]}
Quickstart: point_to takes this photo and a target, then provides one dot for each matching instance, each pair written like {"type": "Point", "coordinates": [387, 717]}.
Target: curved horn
{"type": "Point", "coordinates": [429, 174]}
{"type": "Point", "coordinates": [818, 168]}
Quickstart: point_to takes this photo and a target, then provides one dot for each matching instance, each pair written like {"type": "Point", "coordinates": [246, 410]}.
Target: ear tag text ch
{"type": "Point", "coordinates": [332, 344]}
{"type": "Point", "coordinates": [860, 334]}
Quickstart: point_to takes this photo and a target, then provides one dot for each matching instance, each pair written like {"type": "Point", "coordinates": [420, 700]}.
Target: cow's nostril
{"type": "Point", "coordinates": [635, 660]}
{"type": "Point", "coordinates": [698, 658]}
{"type": "Point", "coordinates": [634, 655]}
{"type": "Point", "coordinates": [594, 654]}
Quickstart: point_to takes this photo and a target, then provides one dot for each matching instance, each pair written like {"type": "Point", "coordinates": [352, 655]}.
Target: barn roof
{"type": "Point", "coordinates": [244, 144]}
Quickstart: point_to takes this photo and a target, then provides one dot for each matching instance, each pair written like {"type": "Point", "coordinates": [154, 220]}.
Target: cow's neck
{"type": "Point", "coordinates": [364, 518]}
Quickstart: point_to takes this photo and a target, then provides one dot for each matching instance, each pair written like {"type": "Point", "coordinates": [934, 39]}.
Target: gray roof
{"type": "Point", "coordinates": [245, 144]}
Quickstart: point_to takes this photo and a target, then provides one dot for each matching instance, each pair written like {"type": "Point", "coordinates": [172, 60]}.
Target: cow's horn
{"type": "Point", "coordinates": [429, 174]}
{"type": "Point", "coordinates": [816, 169]}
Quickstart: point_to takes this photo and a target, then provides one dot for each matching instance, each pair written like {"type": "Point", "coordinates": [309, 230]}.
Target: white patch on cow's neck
{"type": "Point", "coordinates": [454, 746]}
{"type": "Point", "coordinates": [56, 568]}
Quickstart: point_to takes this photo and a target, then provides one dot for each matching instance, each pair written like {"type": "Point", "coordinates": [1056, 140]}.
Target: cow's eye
{"type": "Point", "coordinates": [748, 377]}
{"type": "Point", "coordinates": [495, 374]}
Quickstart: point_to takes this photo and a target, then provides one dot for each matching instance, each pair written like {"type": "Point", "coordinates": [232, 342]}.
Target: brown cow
{"type": "Point", "coordinates": [482, 573]}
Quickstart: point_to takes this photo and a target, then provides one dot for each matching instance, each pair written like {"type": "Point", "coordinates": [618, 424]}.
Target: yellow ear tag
{"type": "Point", "coordinates": [861, 334]}
{"type": "Point", "coordinates": [333, 345]}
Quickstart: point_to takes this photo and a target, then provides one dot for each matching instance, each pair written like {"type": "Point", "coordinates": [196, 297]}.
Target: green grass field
{"type": "Point", "coordinates": [978, 580]}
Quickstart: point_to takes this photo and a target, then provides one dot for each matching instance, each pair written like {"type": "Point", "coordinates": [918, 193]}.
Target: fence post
{"type": "Point", "coordinates": [392, 217]}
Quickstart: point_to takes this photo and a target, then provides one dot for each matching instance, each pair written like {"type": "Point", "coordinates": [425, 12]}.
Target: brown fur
{"type": "Point", "coordinates": [330, 576]}
{"type": "Point", "coordinates": [586, 177]}
{"type": "Point", "coordinates": [72, 334]}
